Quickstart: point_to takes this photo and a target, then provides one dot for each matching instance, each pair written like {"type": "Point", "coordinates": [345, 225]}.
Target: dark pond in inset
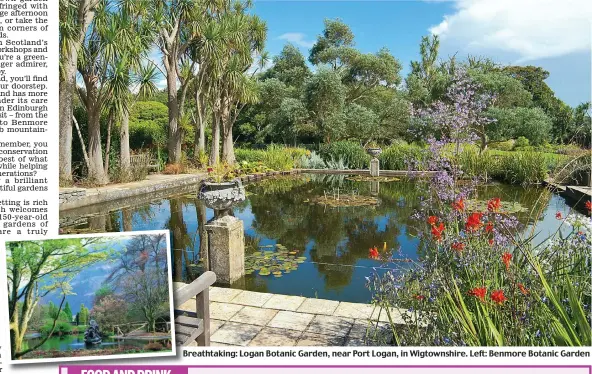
{"type": "Point", "coordinates": [76, 342]}
{"type": "Point", "coordinates": [332, 243]}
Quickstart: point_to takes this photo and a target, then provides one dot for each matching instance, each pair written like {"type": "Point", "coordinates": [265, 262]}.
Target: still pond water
{"type": "Point", "coordinates": [76, 342]}
{"type": "Point", "coordinates": [294, 247]}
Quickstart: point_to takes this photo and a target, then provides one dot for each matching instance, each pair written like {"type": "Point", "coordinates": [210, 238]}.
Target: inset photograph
{"type": "Point", "coordinates": [90, 297]}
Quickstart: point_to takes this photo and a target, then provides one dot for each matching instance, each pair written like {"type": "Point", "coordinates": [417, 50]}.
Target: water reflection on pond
{"type": "Point", "coordinates": [76, 342]}
{"type": "Point", "coordinates": [327, 247]}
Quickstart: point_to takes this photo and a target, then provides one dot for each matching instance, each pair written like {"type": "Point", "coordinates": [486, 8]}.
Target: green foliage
{"type": "Point", "coordinates": [398, 156]}
{"type": "Point", "coordinates": [324, 96]}
{"type": "Point", "coordinates": [68, 312]}
{"type": "Point", "coordinates": [522, 167]}
{"type": "Point", "coordinates": [531, 123]}
{"type": "Point", "coordinates": [62, 327]}
{"type": "Point", "coordinates": [148, 124]}
{"type": "Point", "coordinates": [521, 142]}
{"type": "Point", "coordinates": [312, 161]}
{"type": "Point", "coordinates": [83, 315]}
{"type": "Point", "coordinates": [507, 145]}
{"type": "Point", "coordinates": [278, 158]}
{"type": "Point", "coordinates": [249, 155]}
{"type": "Point", "coordinates": [475, 163]}
{"type": "Point", "coordinates": [351, 153]}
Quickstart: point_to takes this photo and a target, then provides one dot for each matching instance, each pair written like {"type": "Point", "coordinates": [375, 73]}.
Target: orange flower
{"type": "Point", "coordinates": [437, 231]}
{"type": "Point", "coordinates": [523, 289]}
{"type": "Point", "coordinates": [432, 220]}
{"type": "Point", "coordinates": [489, 227]}
{"type": "Point", "coordinates": [458, 246]}
{"type": "Point", "coordinates": [589, 206]}
{"type": "Point", "coordinates": [459, 205]}
{"type": "Point", "coordinates": [558, 215]}
{"type": "Point", "coordinates": [474, 222]}
{"type": "Point", "coordinates": [210, 170]}
{"type": "Point", "coordinates": [419, 297]}
{"type": "Point", "coordinates": [506, 258]}
{"type": "Point", "coordinates": [373, 253]}
{"type": "Point", "coordinates": [490, 241]}
{"type": "Point", "coordinates": [494, 204]}
{"type": "Point", "coordinates": [479, 293]}
{"type": "Point", "coordinates": [498, 297]}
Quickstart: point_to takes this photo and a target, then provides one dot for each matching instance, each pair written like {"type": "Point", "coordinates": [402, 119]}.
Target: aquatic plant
{"type": "Point", "coordinates": [274, 260]}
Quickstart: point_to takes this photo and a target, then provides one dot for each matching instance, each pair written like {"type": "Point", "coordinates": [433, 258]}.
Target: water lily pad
{"type": "Point", "coordinates": [264, 271]}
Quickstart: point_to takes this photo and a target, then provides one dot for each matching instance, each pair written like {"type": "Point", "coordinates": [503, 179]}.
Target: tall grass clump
{"type": "Point", "coordinates": [249, 155]}
{"type": "Point", "coordinates": [477, 164]}
{"type": "Point", "coordinates": [352, 154]}
{"type": "Point", "coordinates": [398, 156]}
{"type": "Point", "coordinates": [523, 168]}
{"type": "Point", "coordinates": [278, 158]}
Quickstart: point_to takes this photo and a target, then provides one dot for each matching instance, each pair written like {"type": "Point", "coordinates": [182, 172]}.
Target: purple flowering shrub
{"type": "Point", "coordinates": [480, 280]}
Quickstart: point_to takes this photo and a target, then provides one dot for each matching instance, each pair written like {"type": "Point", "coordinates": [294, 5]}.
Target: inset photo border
{"type": "Point", "coordinates": [90, 297]}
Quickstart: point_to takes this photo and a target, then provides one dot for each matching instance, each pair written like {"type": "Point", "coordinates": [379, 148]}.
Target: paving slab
{"type": "Point", "coordinates": [291, 320]}
{"type": "Point", "coordinates": [318, 306]}
{"type": "Point", "coordinates": [223, 311]}
{"type": "Point", "coordinates": [330, 325]}
{"type": "Point", "coordinates": [273, 337]}
{"type": "Point", "coordinates": [353, 310]}
{"type": "Point", "coordinates": [223, 295]}
{"type": "Point", "coordinates": [251, 298]}
{"type": "Point", "coordinates": [308, 339]}
{"type": "Point", "coordinates": [215, 324]}
{"type": "Point", "coordinates": [382, 316]}
{"type": "Point", "coordinates": [254, 316]}
{"type": "Point", "coordinates": [284, 302]}
{"type": "Point", "coordinates": [235, 334]}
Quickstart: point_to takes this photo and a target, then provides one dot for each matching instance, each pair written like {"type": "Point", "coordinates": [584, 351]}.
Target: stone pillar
{"type": "Point", "coordinates": [374, 167]}
{"type": "Point", "coordinates": [226, 248]}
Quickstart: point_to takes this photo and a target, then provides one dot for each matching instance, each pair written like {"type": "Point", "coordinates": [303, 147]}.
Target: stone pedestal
{"type": "Point", "coordinates": [374, 167]}
{"type": "Point", "coordinates": [226, 248]}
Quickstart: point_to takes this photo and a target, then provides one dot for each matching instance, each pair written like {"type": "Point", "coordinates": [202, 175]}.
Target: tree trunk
{"type": "Point", "coordinates": [95, 152]}
{"type": "Point", "coordinates": [200, 128]}
{"type": "Point", "coordinates": [108, 145]}
{"type": "Point", "coordinates": [215, 148]}
{"type": "Point", "coordinates": [202, 219]}
{"type": "Point", "coordinates": [228, 143]}
{"type": "Point", "coordinates": [175, 135]}
{"type": "Point", "coordinates": [124, 147]}
{"type": "Point", "coordinates": [67, 87]}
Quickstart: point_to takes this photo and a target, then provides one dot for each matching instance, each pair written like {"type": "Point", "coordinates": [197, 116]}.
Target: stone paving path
{"type": "Point", "coordinates": [246, 318]}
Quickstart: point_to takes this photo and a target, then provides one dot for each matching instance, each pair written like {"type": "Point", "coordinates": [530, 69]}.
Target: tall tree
{"type": "Point", "coordinates": [175, 34]}
{"type": "Point", "coordinates": [37, 268]}
{"type": "Point", "coordinates": [75, 18]}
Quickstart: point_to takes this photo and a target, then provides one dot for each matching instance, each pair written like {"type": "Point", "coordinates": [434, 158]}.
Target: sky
{"type": "Point", "coordinates": [555, 35]}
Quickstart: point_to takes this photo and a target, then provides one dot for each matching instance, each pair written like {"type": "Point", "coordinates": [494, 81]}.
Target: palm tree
{"type": "Point", "coordinates": [75, 18]}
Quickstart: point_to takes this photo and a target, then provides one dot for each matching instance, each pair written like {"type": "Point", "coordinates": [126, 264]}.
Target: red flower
{"type": "Point", "coordinates": [498, 297]}
{"type": "Point", "coordinates": [494, 204]}
{"type": "Point", "coordinates": [558, 215]}
{"type": "Point", "coordinates": [437, 231]}
{"type": "Point", "coordinates": [432, 220]}
{"type": "Point", "coordinates": [490, 242]}
{"type": "Point", "coordinates": [506, 258]}
{"type": "Point", "coordinates": [523, 289]}
{"type": "Point", "coordinates": [459, 205]}
{"type": "Point", "coordinates": [489, 227]}
{"type": "Point", "coordinates": [479, 293]}
{"type": "Point", "coordinates": [589, 206]}
{"type": "Point", "coordinates": [210, 170]}
{"type": "Point", "coordinates": [419, 297]}
{"type": "Point", "coordinates": [474, 221]}
{"type": "Point", "coordinates": [458, 246]}
{"type": "Point", "coordinates": [373, 253]}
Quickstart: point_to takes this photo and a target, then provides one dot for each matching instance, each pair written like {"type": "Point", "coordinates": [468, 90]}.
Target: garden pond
{"type": "Point", "coordinates": [300, 240]}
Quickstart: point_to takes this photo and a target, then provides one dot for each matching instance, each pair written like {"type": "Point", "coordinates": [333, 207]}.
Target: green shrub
{"type": "Point", "coordinates": [521, 142]}
{"type": "Point", "coordinates": [312, 161]}
{"type": "Point", "coordinates": [396, 156]}
{"type": "Point", "coordinates": [351, 153]}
